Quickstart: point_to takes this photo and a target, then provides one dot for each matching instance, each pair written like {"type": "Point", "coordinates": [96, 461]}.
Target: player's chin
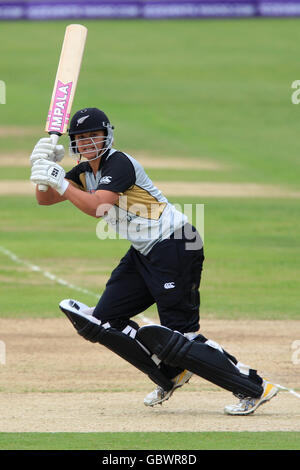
{"type": "Point", "coordinates": [90, 155]}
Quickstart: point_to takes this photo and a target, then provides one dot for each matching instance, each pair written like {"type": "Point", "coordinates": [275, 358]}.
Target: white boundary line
{"type": "Point", "coordinates": [290, 390]}
{"type": "Point", "coordinates": [52, 277]}
{"type": "Point", "coordinates": [58, 280]}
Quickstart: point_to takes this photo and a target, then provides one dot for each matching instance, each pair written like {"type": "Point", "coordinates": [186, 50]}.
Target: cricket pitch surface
{"type": "Point", "coordinates": [55, 381]}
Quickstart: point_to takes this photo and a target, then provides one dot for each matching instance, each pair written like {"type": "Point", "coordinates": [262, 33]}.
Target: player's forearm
{"type": "Point", "coordinates": [86, 202]}
{"type": "Point", "coordinates": [49, 173]}
{"type": "Point", "coordinates": [49, 197]}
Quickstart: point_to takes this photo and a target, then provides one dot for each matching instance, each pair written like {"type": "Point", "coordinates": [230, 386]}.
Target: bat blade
{"type": "Point", "coordinates": [66, 79]}
{"type": "Point", "coordinates": [65, 82]}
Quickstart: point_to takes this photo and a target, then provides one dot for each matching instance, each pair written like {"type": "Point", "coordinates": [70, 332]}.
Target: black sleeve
{"type": "Point", "coordinates": [118, 174]}
{"type": "Point", "coordinates": [74, 174]}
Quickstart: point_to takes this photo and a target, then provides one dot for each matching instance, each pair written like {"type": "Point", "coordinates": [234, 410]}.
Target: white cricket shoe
{"type": "Point", "coordinates": [159, 395]}
{"type": "Point", "coordinates": [246, 406]}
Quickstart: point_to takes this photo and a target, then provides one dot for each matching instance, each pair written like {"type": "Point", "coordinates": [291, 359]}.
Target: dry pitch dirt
{"type": "Point", "coordinates": [54, 380]}
{"type": "Point", "coordinates": [21, 159]}
{"type": "Point", "coordinates": [178, 188]}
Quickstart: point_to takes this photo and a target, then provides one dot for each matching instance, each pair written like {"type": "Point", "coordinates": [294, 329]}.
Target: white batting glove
{"type": "Point", "coordinates": [50, 174]}
{"type": "Point", "coordinates": [46, 150]}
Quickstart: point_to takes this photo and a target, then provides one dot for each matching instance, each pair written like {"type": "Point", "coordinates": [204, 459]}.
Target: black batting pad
{"type": "Point", "coordinates": [154, 337]}
{"type": "Point", "coordinates": [73, 310]}
{"type": "Point", "coordinates": [91, 329]}
{"type": "Point", "coordinates": [203, 359]}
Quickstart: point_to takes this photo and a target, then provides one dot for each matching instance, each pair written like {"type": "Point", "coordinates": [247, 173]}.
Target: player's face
{"type": "Point", "coordinates": [90, 144]}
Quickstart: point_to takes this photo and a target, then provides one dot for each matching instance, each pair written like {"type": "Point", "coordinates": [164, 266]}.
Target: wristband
{"type": "Point", "coordinates": [63, 187]}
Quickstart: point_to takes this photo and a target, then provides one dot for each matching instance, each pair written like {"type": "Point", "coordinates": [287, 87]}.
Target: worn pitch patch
{"type": "Point", "coordinates": [180, 189]}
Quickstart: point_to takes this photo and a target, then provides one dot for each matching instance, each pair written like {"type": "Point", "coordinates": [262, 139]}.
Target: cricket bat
{"type": "Point", "coordinates": [65, 83]}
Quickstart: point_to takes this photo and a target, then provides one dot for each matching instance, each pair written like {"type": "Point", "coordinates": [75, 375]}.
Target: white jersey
{"type": "Point", "coordinates": [142, 214]}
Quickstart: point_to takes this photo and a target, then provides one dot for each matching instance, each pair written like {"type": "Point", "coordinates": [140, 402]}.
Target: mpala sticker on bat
{"type": "Point", "coordinates": [58, 116]}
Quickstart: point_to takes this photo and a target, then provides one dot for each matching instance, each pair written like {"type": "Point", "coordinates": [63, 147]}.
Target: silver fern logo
{"type": "Point", "coordinates": [82, 119]}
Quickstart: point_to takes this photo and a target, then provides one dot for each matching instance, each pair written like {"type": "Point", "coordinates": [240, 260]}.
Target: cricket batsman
{"type": "Point", "coordinates": [163, 266]}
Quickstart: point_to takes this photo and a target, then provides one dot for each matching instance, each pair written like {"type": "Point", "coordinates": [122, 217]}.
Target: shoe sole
{"type": "Point", "coordinates": [270, 395]}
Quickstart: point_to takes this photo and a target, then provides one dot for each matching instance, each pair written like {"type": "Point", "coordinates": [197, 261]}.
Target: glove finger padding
{"type": "Point", "coordinates": [47, 150]}
{"type": "Point", "coordinates": [41, 164]}
{"type": "Point", "coordinates": [45, 146]}
{"type": "Point", "coordinates": [39, 179]}
{"type": "Point", "coordinates": [50, 173]}
{"type": "Point", "coordinates": [38, 155]}
{"type": "Point", "coordinates": [44, 140]}
{"type": "Point", "coordinates": [59, 153]}
{"type": "Point", "coordinates": [38, 172]}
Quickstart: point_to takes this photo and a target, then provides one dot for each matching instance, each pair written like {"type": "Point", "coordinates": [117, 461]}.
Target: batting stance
{"type": "Point", "coordinates": [162, 266]}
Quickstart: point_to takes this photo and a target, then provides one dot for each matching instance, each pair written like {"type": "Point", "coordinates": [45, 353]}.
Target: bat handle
{"type": "Point", "coordinates": [54, 138]}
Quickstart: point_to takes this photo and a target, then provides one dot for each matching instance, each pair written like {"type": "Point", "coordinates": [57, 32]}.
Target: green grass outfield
{"type": "Point", "coordinates": [151, 440]}
{"type": "Point", "coordinates": [215, 90]}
